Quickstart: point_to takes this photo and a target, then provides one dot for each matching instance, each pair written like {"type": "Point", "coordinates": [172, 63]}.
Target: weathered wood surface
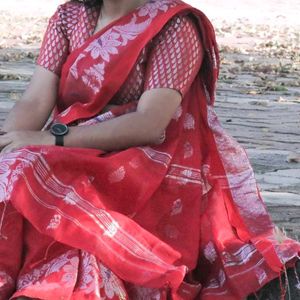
{"type": "Point", "coordinates": [258, 103]}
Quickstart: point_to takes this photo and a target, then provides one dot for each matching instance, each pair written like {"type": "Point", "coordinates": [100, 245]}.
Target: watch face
{"type": "Point", "coordinates": [59, 129]}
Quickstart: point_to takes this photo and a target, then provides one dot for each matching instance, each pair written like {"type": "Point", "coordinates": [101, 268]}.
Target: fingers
{"type": "Point", "coordinates": [4, 140]}
{"type": "Point", "coordinates": [3, 144]}
{"type": "Point", "coordinates": [7, 149]}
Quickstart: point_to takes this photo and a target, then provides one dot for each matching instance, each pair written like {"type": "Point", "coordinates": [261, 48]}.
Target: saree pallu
{"type": "Point", "coordinates": [183, 219]}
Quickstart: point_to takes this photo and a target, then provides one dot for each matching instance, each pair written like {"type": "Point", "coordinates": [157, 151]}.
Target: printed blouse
{"type": "Point", "coordinates": [171, 60]}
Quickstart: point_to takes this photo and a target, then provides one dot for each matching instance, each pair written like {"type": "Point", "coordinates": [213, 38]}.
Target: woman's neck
{"type": "Point", "coordinates": [117, 8]}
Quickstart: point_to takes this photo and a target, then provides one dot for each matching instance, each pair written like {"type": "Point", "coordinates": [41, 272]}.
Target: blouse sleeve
{"type": "Point", "coordinates": [55, 46]}
{"type": "Point", "coordinates": [176, 56]}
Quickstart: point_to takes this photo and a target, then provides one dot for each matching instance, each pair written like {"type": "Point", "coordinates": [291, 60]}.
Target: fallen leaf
{"type": "Point", "coordinates": [279, 235]}
{"type": "Point", "coordinates": [260, 103]}
{"type": "Point", "coordinates": [281, 99]}
{"type": "Point", "coordinates": [252, 92]}
{"type": "Point", "coordinates": [293, 158]}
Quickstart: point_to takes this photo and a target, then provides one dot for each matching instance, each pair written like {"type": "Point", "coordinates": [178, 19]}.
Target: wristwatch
{"type": "Point", "coordinates": [59, 130]}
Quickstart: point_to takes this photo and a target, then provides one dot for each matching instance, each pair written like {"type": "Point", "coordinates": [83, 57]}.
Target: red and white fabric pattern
{"type": "Point", "coordinates": [171, 60]}
{"type": "Point", "coordinates": [70, 26]}
{"type": "Point", "coordinates": [182, 219]}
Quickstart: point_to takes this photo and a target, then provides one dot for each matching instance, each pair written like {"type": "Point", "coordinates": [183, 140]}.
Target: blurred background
{"type": "Point", "coordinates": [242, 22]}
{"type": "Point", "coordinates": [258, 96]}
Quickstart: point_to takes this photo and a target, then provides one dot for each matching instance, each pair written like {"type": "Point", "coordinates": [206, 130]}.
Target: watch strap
{"type": "Point", "coordinates": [59, 140]}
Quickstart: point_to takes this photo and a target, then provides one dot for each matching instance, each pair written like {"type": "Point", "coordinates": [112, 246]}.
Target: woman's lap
{"type": "Point", "coordinates": [11, 244]}
{"type": "Point", "coordinates": [50, 263]}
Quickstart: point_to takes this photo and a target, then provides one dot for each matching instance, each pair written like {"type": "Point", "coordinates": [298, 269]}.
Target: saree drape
{"type": "Point", "coordinates": [184, 216]}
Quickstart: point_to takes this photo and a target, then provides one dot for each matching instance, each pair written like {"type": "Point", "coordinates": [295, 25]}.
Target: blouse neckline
{"type": "Point", "coordinates": [96, 18]}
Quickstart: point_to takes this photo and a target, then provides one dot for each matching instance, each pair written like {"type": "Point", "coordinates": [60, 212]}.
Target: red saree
{"type": "Point", "coordinates": [183, 218]}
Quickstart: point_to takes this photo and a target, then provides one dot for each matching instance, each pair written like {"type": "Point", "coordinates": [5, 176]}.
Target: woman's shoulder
{"type": "Point", "coordinates": [70, 9]}
{"type": "Point", "coordinates": [67, 15]}
{"type": "Point", "coordinates": [177, 26]}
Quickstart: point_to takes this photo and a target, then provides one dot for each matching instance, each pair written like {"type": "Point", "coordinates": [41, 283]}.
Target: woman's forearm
{"type": "Point", "coordinates": [133, 129]}
{"type": "Point", "coordinates": [25, 115]}
{"type": "Point", "coordinates": [145, 126]}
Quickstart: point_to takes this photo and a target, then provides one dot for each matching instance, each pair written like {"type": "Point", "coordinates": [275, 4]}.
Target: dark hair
{"type": "Point", "coordinates": [89, 2]}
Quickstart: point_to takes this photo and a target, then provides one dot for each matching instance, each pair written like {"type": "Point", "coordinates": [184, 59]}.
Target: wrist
{"type": "Point", "coordinates": [48, 138]}
{"type": "Point", "coordinates": [59, 131]}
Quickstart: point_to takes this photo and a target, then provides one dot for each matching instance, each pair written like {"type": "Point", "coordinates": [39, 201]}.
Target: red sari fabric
{"type": "Point", "coordinates": [170, 60]}
{"type": "Point", "coordinates": [183, 218]}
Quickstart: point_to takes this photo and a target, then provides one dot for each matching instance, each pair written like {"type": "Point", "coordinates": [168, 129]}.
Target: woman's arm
{"type": "Point", "coordinates": [156, 106]}
{"type": "Point", "coordinates": [145, 126]}
{"type": "Point", "coordinates": [33, 110]}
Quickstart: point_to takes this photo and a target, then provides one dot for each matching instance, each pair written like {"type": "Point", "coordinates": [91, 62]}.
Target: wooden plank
{"type": "Point", "coordinates": [13, 86]}
{"type": "Point", "coordinates": [264, 161]}
{"type": "Point", "coordinates": [287, 217]}
{"type": "Point", "coordinates": [16, 70]}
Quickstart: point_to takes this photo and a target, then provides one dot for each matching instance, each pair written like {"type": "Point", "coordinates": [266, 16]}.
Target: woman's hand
{"type": "Point", "coordinates": [17, 139]}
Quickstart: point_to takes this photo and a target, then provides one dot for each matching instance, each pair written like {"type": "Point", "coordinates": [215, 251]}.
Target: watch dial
{"type": "Point", "coordinates": [59, 129]}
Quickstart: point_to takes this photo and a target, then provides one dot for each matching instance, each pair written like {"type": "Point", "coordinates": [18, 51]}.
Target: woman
{"type": "Point", "coordinates": [169, 206]}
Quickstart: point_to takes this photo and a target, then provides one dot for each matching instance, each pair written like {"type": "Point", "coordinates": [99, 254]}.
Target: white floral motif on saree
{"type": "Point", "coordinates": [108, 43]}
{"type": "Point", "coordinates": [152, 8]}
{"type": "Point", "coordinates": [66, 264]}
